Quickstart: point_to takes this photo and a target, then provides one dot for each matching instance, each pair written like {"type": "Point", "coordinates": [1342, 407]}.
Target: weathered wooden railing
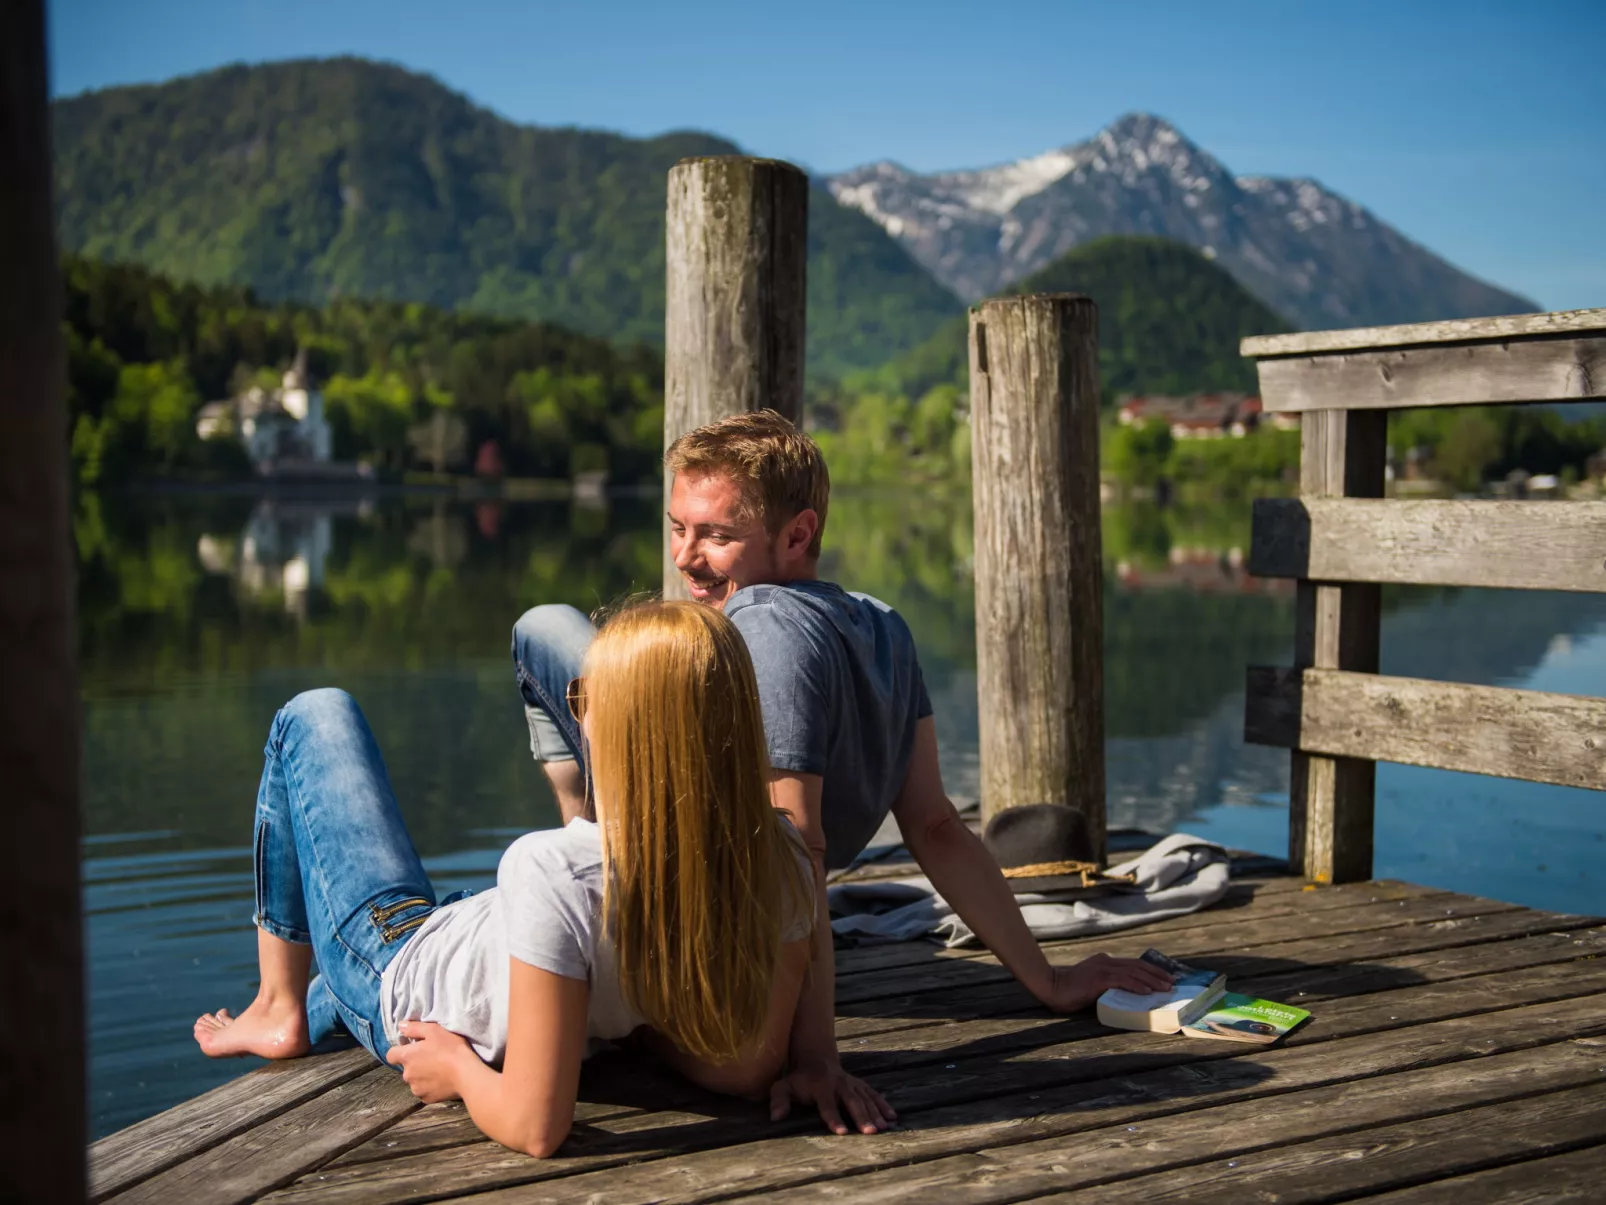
{"type": "Point", "coordinates": [1340, 539]}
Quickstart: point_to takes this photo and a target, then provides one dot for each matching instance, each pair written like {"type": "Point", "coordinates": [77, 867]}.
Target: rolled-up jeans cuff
{"type": "Point", "coordinates": [546, 739]}
{"type": "Point", "coordinates": [282, 932]}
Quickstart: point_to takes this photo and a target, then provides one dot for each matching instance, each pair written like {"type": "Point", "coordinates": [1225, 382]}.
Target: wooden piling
{"type": "Point", "coordinates": [41, 1008]}
{"type": "Point", "coordinates": [737, 243]}
{"type": "Point", "coordinates": [1331, 799]}
{"type": "Point", "coordinates": [1034, 399]}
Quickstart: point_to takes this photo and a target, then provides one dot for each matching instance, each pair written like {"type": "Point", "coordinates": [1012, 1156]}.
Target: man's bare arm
{"type": "Point", "coordinates": [816, 1073]}
{"type": "Point", "coordinates": [965, 875]}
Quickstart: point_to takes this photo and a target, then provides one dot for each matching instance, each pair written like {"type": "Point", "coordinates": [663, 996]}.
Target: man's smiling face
{"type": "Point", "coordinates": [716, 544]}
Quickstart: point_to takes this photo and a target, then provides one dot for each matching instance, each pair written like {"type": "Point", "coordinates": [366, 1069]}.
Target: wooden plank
{"type": "Point", "coordinates": [1549, 370]}
{"type": "Point", "coordinates": [122, 1159]}
{"type": "Point", "coordinates": [944, 974]}
{"type": "Point", "coordinates": [1419, 334]}
{"type": "Point", "coordinates": [1379, 1158]}
{"type": "Point", "coordinates": [1336, 627]}
{"type": "Point", "coordinates": [440, 1126]}
{"type": "Point", "coordinates": [1207, 1136]}
{"type": "Point", "coordinates": [1131, 1094]}
{"type": "Point", "coordinates": [287, 1146]}
{"type": "Point", "coordinates": [1542, 963]}
{"type": "Point", "coordinates": [42, 1021]}
{"type": "Point", "coordinates": [1378, 1005]}
{"type": "Point", "coordinates": [1034, 405]}
{"type": "Point", "coordinates": [1038, 1067]}
{"type": "Point", "coordinates": [1471, 980]}
{"type": "Point", "coordinates": [447, 1124]}
{"type": "Point", "coordinates": [999, 999]}
{"type": "Point", "coordinates": [1576, 1176]}
{"type": "Point", "coordinates": [1107, 1054]}
{"type": "Point", "coordinates": [1243, 901]}
{"type": "Point", "coordinates": [1494, 730]}
{"type": "Point", "coordinates": [1433, 966]}
{"type": "Point", "coordinates": [736, 248]}
{"type": "Point", "coordinates": [1511, 545]}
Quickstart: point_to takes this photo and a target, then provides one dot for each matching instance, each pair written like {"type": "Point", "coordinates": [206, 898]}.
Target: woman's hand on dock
{"type": "Point", "coordinates": [1074, 987]}
{"type": "Point", "coordinates": [833, 1091]}
{"type": "Point", "coordinates": [430, 1060]}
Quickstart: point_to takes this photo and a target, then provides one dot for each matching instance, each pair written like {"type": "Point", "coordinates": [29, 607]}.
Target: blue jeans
{"type": "Point", "coordinates": [334, 865]}
{"type": "Point", "coordinates": [549, 643]}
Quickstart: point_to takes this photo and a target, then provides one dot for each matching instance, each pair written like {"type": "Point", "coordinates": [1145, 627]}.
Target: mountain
{"type": "Point", "coordinates": [317, 179]}
{"type": "Point", "coordinates": [1169, 322]}
{"type": "Point", "coordinates": [1308, 253]}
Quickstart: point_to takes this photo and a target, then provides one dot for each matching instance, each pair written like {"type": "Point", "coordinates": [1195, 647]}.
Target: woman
{"type": "Point", "coordinates": [686, 906]}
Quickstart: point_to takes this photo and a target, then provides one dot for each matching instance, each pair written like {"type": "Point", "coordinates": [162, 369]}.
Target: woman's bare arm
{"type": "Point", "coordinates": [529, 1104]}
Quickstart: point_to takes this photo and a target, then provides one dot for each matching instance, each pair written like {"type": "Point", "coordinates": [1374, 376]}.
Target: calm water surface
{"type": "Point", "coordinates": [200, 616]}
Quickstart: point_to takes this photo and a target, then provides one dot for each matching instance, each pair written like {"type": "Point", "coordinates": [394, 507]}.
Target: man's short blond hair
{"type": "Point", "coordinates": [778, 469]}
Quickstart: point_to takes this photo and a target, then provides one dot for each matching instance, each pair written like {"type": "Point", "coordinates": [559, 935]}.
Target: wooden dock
{"type": "Point", "coordinates": [1456, 1053]}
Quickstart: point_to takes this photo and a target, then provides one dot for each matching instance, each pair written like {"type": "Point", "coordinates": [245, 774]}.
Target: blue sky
{"type": "Point", "coordinates": [1479, 129]}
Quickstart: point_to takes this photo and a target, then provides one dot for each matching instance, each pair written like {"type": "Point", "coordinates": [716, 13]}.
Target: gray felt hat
{"type": "Point", "coordinates": [1044, 847]}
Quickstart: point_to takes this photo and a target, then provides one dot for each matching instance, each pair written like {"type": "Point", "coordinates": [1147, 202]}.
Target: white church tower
{"type": "Point", "coordinates": [305, 404]}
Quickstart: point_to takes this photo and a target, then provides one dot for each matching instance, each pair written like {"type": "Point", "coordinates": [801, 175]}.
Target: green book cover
{"type": "Point", "coordinates": [1245, 1019]}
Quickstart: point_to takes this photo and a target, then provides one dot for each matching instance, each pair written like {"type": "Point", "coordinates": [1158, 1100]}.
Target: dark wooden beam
{"type": "Point", "coordinates": [1525, 734]}
{"type": "Point", "coordinates": [1336, 627]}
{"type": "Point", "coordinates": [1510, 545]}
{"type": "Point", "coordinates": [41, 949]}
{"type": "Point", "coordinates": [1556, 369]}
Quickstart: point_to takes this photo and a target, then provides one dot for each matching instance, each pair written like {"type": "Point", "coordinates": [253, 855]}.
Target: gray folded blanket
{"type": "Point", "coordinates": [1179, 875]}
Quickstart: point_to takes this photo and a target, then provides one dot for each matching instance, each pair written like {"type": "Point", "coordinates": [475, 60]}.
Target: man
{"type": "Point", "coordinates": [846, 716]}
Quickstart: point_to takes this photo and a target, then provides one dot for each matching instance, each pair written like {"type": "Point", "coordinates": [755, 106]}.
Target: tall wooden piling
{"type": "Point", "coordinates": [41, 1008]}
{"type": "Point", "coordinates": [1331, 799]}
{"type": "Point", "coordinates": [1034, 400]}
{"type": "Point", "coordinates": [737, 245]}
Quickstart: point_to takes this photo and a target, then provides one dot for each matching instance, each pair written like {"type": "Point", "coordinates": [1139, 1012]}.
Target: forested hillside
{"type": "Point", "coordinates": [145, 352]}
{"type": "Point", "coordinates": [1169, 322]}
{"type": "Point", "coordinates": [317, 180]}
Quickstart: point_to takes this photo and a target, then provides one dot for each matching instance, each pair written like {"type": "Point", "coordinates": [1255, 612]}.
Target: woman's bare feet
{"type": "Point", "coordinates": [271, 1028]}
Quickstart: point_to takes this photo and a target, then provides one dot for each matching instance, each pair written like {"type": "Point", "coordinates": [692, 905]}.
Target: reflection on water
{"type": "Point", "coordinates": [200, 615]}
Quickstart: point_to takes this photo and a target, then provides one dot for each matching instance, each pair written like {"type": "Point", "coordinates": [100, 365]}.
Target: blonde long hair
{"type": "Point", "coordinates": [700, 870]}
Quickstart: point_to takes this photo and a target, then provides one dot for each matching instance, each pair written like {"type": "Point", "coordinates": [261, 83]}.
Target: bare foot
{"type": "Point", "coordinates": [272, 1029]}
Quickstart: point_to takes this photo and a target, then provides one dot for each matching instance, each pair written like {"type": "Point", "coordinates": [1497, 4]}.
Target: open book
{"type": "Point", "coordinates": [1199, 1006]}
{"type": "Point", "coordinates": [1238, 1018]}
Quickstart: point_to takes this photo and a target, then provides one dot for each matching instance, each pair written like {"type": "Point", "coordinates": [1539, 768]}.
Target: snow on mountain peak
{"type": "Point", "coordinates": [1291, 241]}
{"type": "Point", "coordinates": [1000, 189]}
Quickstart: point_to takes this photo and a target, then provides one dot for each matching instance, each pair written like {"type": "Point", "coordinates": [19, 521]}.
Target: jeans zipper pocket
{"type": "Point", "coordinates": [381, 915]}
{"type": "Point", "coordinates": [391, 932]}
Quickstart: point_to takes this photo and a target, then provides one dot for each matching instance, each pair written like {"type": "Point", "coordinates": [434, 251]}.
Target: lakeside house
{"type": "Point", "coordinates": [284, 431]}
{"type": "Point", "coordinates": [1201, 415]}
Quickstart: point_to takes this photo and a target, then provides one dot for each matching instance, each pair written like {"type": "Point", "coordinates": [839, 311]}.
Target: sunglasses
{"type": "Point", "coordinates": [576, 694]}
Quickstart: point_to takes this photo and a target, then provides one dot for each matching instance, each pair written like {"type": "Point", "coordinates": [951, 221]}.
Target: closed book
{"type": "Point", "coordinates": [1192, 994]}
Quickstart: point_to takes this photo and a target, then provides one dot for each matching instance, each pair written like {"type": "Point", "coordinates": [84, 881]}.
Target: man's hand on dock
{"type": "Point", "coordinates": [1075, 987]}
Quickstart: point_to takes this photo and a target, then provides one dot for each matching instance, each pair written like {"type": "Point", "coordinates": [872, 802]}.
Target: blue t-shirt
{"type": "Point", "coordinates": [841, 689]}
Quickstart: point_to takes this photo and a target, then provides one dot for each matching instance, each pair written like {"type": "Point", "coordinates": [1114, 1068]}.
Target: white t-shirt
{"type": "Point", "coordinates": [545, 910]}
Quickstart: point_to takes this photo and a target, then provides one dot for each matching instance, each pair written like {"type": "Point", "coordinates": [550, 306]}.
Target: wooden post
{"type": "Point", "coordinates": [1034, 402]}
{"type": "Point", "coordinates": [41, 1008]}
{"type": "Point", "coordinates": [1331, 799]}
{"type": "Point", "coordinates": [737, 245]}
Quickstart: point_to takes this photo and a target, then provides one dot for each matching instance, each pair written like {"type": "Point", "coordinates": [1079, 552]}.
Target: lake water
{"type": "Point", "coordinates": [200, 615]}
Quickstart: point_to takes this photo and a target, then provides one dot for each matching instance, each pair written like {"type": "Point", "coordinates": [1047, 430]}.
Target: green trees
{"type": "Point", "coordinates": [1169, 322]}
{"type": "Point", "coordinates": [144, 353]}
{"type": "Point", "coordinates": [318, 180]}
{"type": "Point", "coordinates": [1138, 454]}
{"type": "Point", "coordinates": [1464, 447]}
